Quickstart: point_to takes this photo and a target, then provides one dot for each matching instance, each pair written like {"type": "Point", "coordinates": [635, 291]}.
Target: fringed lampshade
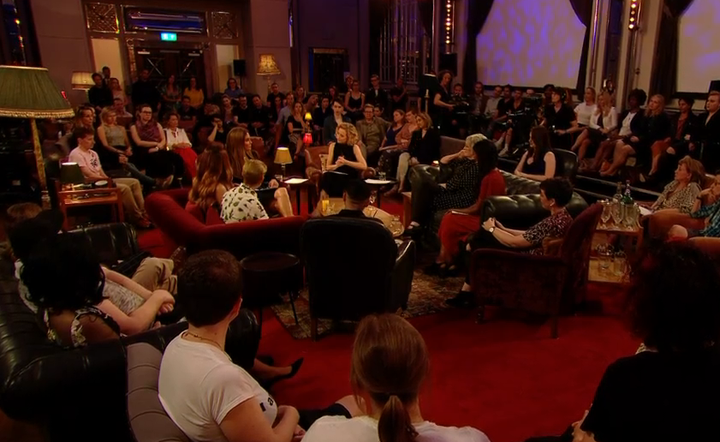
{"type": "Point", "coordinates": [27, 92]}
{"type": "Point", "coordinates": [267, 65]}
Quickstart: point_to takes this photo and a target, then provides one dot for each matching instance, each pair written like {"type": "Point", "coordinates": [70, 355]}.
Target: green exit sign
{"type": "Point", "coordinates": [168, 36]}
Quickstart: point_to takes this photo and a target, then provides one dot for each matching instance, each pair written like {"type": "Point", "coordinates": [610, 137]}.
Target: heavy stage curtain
{"type": "Point", "coordinates": [664, 77]}
{"type": "Point", "coordinates": [478, 11]}
{"type": "Point", "coordinates": [583, 10]}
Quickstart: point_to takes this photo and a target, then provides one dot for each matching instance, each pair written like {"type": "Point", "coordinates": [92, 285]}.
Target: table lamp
{"type": "Point", "coordinates": [307, 138]}
{"type": "Point", "coordinates": [82, 81]}
{"type": "Point", "coordinates": [70, 175]}
{"type": "Point", "coordinates": [268, 67]}
{"type": "Point", "coordinates": [283, 157]}
{"type": "Point", "coordinates": [27, 92]}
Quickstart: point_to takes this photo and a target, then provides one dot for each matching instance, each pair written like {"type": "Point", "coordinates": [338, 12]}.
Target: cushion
{"type": "Point", "coordinates": [148, 420]}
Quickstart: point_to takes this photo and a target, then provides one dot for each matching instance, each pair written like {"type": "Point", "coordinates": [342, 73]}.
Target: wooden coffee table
{"type": "Point", "coordinates": [337, 204]}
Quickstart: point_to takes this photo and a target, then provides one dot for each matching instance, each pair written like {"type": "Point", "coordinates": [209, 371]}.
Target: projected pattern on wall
{"type": "Point", "coordinates": [530, 43]}
{"type": "Point", "coordinates": [698, 49]}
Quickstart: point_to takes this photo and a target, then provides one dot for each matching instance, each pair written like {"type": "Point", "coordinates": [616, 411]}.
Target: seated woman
{"type": "Point", "coordinates": [538, 163]}
{"type": "Point", "coordinates": [424, 145]}
{"type": "Point", "coordinates": [632, 123]}
{"type": "Point", "coordinates": [603, 122]}
{"type": "Point", "coordinates": [295, 129]}
{"type": "Point", "coordinates": [559, 118]}
{"type": "Point", "coordinates": [710, 212]}
{"type": "Point", "coordinates": [665, 153]}
{"type": "Point", "coordinates": [662, 393]}
{"type": "Point", "coordinates": [555, 194]}
{"type": "Point", "coordinates": [203, 392]}
{"type": "Point", "coordinates": [114, 157]}
{"type": "Point", "coordinates": [131, 192]}
{"type": "Point", "coordinates": [219, 132]}
{"type": "Point", "coordinates": [152, 154]}
{"type": "Point", "coordinates": [179, 144]}
{"type": "Point", "coordinates": [354, 102]}
{"type": "Point", "coordinates": [656, 127]}
{"type": "Point", "coordinates": [460, 191]}
{"type": "Point", "coordinates": [345, 161]}
{"type": "Point", "coordinates": [214, 178]}
{"type": "Point", "coordinates": [241, 202]}
{"type": "Point", "coordinates": [321, 113]}
{"type": "Point", "coordinates": [390, 364]}
{"type": "Point", "coordinates": [391, 149]}
{"type": "Point", "coordinates": [458, 223]}
{"type": "Point", "coordinates": [681, 193]}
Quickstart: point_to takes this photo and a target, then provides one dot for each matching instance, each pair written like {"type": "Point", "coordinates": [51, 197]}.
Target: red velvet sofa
{"type": "Point", "coordinates": [186, 228]}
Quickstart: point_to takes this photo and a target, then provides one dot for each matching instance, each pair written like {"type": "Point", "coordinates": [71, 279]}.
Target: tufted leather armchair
{"type": "Point", "coordinates": [541, 284]}
{"type": "Point", "coordinates": [339, 253]}
{"type": "Point", "coordinates": [520, 211]}
{"type": "Point", "coordinates": [116, 245]}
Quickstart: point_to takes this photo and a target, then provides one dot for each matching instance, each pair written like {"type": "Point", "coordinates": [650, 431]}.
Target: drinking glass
{"type": "Point", "coordinates": [605, 254]}
{"type": "Point", "coordinates": [617, 215]}
{"type": "Point", "coordinates": [620, 264]}
{"type": "Point", "coordinates": [373, 197]}
{"type": "Point", "coordinates": [606, 213]}
{"type": "Point", "coordinates": [381, 176]}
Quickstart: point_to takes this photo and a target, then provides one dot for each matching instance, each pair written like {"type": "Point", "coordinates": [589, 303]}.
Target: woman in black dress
{"type": "Point", "coordinates": [355, 102]}
{"type": "Point", "coordinates": [345, 161]}
{"type": "Point", "coordinates": [538, 163]}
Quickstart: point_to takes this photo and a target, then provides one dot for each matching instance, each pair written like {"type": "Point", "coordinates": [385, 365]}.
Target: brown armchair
{"type": "Point", "coordinates": [542, 284]}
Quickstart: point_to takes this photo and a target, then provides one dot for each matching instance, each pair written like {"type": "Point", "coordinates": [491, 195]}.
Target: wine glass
{"type": "Point", "coordinates": [617, 215]}
{"type": "Point", "coordinates": [605, 217]}
{"type": "Point", "coordinates": [605, 254]}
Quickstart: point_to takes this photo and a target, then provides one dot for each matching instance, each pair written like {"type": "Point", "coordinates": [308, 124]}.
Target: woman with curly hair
{"type": "Point", "coordinates": [670, 387]}
{"type": "Point", "coordinates": [345, 161]}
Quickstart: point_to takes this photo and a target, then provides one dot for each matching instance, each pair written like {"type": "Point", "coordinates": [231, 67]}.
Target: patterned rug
{"type": "Point", "coordinates": [427, 297]}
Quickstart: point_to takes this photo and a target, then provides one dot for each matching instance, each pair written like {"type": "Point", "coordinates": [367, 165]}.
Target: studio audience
{"type": "Point", "coordinates": [539, 162]}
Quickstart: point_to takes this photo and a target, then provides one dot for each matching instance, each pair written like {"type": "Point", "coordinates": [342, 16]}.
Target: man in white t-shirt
{"type": "Point", "coordinates": [203, 392]}
{"type": "Point", "coordinates": [130, 188]}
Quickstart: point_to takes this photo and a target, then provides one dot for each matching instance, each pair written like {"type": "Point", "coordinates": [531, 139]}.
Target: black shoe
{"type": "Point", "coordinates": [294, 370]}
{"type": "Point", "coordinates": [463, 300]}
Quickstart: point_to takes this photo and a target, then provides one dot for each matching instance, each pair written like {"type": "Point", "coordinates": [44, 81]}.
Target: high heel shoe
{"type": "Point", "coordinates": [294, 368]}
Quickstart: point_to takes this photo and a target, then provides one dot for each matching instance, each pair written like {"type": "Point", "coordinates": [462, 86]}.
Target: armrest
{"type": "Point", "coordinates": [113, 242]}
{"type": "Point", "coordinates": [514, 211]}
{"type": "Point", "coordinates": [403, 274]}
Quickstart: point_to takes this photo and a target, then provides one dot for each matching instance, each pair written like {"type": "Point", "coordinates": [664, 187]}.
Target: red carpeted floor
{"type": "Point", "coordinates": [505, 377]}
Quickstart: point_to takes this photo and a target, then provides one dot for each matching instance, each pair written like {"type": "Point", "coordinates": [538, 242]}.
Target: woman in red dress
{"type": "Point", "coordinates": [457, 224]}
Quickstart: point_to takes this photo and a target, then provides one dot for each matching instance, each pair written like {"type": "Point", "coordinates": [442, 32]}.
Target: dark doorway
{"type": "Point", "coordinates": [327, 68]}
{"type": "Point", "coordinates": [162, 62]}
{"type": "Point", "coordinates": [613, 42]}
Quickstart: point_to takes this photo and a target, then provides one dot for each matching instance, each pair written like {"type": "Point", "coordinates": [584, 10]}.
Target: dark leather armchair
{"type": "Point", "coordinates": [116, 245]}
{"type": "Point", "coordinates": [354, 268]}
{"type": "Point", "coordinates": [566, 164]}
{"type": "Point", "coordinates": [541, 284]}
{"type": "Point", "coordinates": [523, 211]}
{"type": "Point", "coordinates": [79, 394]}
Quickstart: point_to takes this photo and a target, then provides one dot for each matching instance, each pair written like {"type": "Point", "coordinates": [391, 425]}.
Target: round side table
{"type": "Point", "coordinates": [266, 275]}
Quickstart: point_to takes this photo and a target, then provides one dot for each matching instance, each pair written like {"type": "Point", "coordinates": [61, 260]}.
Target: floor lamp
{"type": "Point", "coordinates": [30, 93]}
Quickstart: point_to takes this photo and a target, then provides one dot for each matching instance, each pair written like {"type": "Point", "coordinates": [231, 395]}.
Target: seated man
{"type": "Point", "coordinates": [241, 203]}
{"type": "Point", "coordinates": [188, 114]}
{"type": "Point", "coordinates": [203, 392]}
{"type": "Point", "coordinates": [356, 198]}
{"type": "Point", "coordinates": [130, 188]}
{"type": "Point", "coordinates": [372, 132]}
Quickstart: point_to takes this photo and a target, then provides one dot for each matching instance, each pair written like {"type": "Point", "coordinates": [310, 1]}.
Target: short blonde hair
{"type": "Point", "coordinates": [352, 134]}
{"type": "Point", "coordinates": [426, 118]}
{"type": "Point", "coordinates": [106, 113]}
{"type": "Point", "coordinates": [254, 172]}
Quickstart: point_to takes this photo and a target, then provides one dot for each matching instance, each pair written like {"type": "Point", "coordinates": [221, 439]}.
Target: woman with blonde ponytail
{"type": "Point", "coordinates": [389, 366]}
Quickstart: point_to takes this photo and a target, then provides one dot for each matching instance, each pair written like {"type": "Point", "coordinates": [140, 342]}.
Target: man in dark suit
{"type": "Point", "coordinates": [706, 143]}
{"type": "Point", "coordinates": [356, 198]}
{"type": "Point", "coordinates": [376, 95]}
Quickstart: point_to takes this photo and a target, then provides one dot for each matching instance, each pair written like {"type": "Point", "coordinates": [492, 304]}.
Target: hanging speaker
{"type": "Point", "coordinates": [239, 68]}
{"type": "Point", "coordinates": [448, 62]}
{"type": "Point", "coordinates": [714, 86]}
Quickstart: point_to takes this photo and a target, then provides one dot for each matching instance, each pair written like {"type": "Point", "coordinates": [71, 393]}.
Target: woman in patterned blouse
{"type": "Point", "coordinates": [681, 193]}
{"type": "Point", "coordinates": [555, 194]}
